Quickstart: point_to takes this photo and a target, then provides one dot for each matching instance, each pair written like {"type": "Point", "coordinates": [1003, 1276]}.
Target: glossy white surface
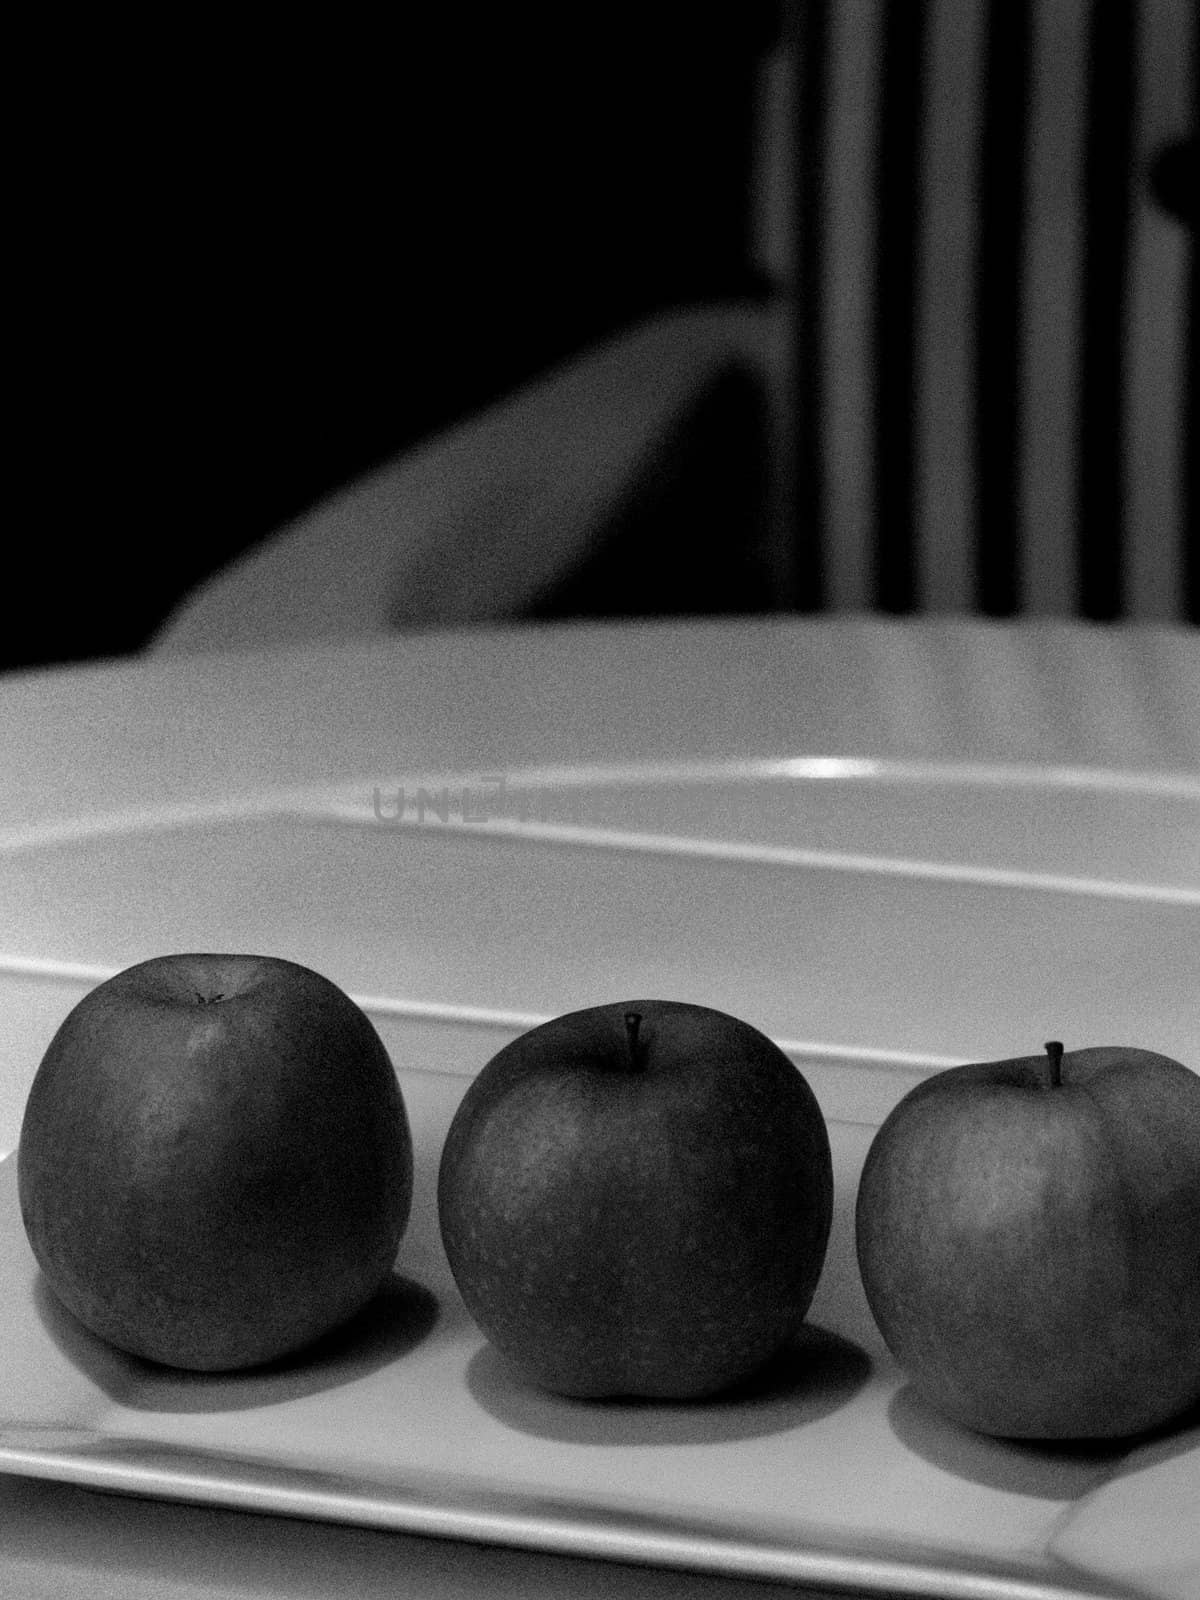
{"type": "Point", "coordinates": [1141, 1527]}
{"type": "Point", "coordinates": [831, 1474]}
{"type": "Point", "coordinates": [890, 846]}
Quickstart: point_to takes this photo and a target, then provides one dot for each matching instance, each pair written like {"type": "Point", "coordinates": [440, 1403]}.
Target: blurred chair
{"type": "Point", "coordinates": [971, 387]}
{"type": "Point", "coordinates": [993, 305]}
{"type": "Point", "coordinates": [581, 483]}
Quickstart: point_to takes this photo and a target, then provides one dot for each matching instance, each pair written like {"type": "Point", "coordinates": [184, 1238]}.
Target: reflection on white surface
{"type": "Point", "coordinates": [349, 797]}
{"type": "Point", "coordinates": [1069, 830]}
{"type": "Point", "coordinates": [793, 856]}
{"type": "Point", "coordinates": [88, 974]}
{"type": "Point", "coordinates": [858, 769]}
{"type": "Point", "coordinates": [489, 931]}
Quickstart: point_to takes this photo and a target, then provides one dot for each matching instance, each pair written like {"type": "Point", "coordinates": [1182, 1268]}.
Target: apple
{"type": "Point", "coordinates": [1028, 1235]}
{"type": "Point", "coordinates": [215, 1164]}
{"type": "Point", "coordinates": [635, 1200]}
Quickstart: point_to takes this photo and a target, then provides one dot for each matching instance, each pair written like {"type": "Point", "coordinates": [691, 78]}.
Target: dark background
{"type": "Point", "coordinates": [253, 260]}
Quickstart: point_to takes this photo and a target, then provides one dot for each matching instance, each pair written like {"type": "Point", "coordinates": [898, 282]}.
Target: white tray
{"type": "Point", "coordinates": [832, 1473]}
{"type": "Point", "coordinates": [878, 920]}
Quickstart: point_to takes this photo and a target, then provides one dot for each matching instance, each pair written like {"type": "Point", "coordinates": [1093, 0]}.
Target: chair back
{"type": "Point", "coordinates": [976, 214]}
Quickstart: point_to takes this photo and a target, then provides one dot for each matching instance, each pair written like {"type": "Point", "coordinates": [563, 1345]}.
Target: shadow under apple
{"type": "Point", "coordinates": [399, 1317]}
{"type": "Point", "coordinates": [816, 1374]}
{"type": "Point", "coordinates": [1051, 1469]}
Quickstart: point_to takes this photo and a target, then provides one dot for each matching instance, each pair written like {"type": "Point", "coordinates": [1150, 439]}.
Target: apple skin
{"type": "Point", "coordinates": [651, 1226]}
{"type": "Point", "coordinates": [215, 1164]}
{"type": "Point", "coordinates": [1031, 1251]}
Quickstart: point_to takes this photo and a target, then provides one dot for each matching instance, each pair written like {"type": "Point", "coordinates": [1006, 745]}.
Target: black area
{"type": "Point", "coordinates": [997, 321]}
{"type": "Point", "coordinates": [1175, 179]}
{"type": "Point", "coordinates": [1191, 456]}
{"type": "Point", "coordinates": [1101, 497]}
{"type": "Point", "coordinates": [688, 538]}
{"type": "Point", "coordinates": [898, 185]}
{"type": "Point", "coordinates": [1190, 464]}
{"type": "Point", "coordinates": [808, 27]}
{"type": "Point", "coordinates": [253, 258]}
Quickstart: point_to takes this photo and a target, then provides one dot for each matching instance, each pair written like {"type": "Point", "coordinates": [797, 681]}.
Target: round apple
{"type": "Point", "coordinates": [635, 1200]}
{"type": "Point", "coordinates": [215, 1164]}
{"type": "Point", "coordinates": [1029, 1241]}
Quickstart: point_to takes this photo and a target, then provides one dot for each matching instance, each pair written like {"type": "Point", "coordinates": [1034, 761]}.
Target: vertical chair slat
{"type": "Point", "coordinates": [1051, 328]}
{"type": "Point", "coordinates": [997, 308]}
{"type": "Point", "coordinates": [848, 380]}
{"type": "Point", "coordinates": [1156, 331]}
{"type": "Point", "coordinates": [946, 306]}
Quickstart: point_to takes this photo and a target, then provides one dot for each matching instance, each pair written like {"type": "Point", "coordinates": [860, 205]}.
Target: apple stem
{"type": "Point", "coordinates": [633, 1021]}
{"type": "Point", "coordinates": [1054, 1050]}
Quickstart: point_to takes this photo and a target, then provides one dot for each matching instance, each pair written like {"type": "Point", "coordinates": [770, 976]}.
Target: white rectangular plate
{"type": "Point", "coordinates": [831, 1473]}
{"type": "Point", "coordinates": [878, 923]}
